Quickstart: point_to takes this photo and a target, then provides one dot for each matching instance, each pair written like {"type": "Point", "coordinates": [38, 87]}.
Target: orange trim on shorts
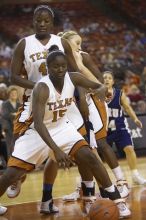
{"type": "Point", "coordinates": [16, 162]}
{"type": "Point", "coordinates": [77, 146]}
{"type": "Point", "coordinates": [82, 130]}
{"type": "Point", "coordinates": [102, 133]}
{"type": "Point", "coordinates": [21, 127]}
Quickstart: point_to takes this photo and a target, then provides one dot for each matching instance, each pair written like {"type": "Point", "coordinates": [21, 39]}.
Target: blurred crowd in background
{"type": "Point", "coordinates": [114, 44]}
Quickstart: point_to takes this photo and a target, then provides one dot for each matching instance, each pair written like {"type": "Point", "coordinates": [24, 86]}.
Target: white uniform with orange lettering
{"type": "Point", "coordinates": [35, 55]}
{"type": "Point", "coordinates": [30, 148]}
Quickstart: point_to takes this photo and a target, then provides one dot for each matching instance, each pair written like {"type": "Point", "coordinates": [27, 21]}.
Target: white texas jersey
{"type": "Point", "coordinates": [35, 55]}
{"type": "Point", "coordinates": [58, 104]}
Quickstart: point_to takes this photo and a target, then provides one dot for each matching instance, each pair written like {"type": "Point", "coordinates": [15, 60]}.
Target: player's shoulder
{"type": "Point", "coordinates": [23, 40]}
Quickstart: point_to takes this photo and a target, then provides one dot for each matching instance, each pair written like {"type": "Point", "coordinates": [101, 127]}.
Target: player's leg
{"type": "Point", "coordinates": [98, 110]}
{"type": "Point", "coordinates": [10, 175]}
{"type": "Point", "coordinates": [90, 166]}
{"type": "Point", "coordinates": [132, 162]}
{"type": "Point", "coordinates": [111, 159]}
{"type": "Point", "coordinates": [50, 173]}
{"type": "Point", "coordinates": [19, 128]}
{"type": "Point", "coordinates": [125, 142]}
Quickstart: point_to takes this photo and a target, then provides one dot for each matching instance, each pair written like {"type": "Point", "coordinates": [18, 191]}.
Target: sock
{"type": "Point", "coordinates": [88, 188]}
{"type": "Point", "coordinates": [110, 189]}
{"type": "Point", "coordinates": [88, 184]}
{"type": "Point", "coordinates": [113, 192]}
{"type": "Point", "coordinates": [118, 173]}
{"type": "Point", "coordinates": [135, 172]}
{"type": "Point", "coordinates": [47, 192]}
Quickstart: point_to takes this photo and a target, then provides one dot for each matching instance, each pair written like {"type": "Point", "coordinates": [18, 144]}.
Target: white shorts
{"type": "Point", "coordinates": [30, 150]}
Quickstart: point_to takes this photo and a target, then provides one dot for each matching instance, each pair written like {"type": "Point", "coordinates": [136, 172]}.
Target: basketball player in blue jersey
{"type": "Point", "coordinates": [118, 131]}
{"type": "Point", "coordinates": [49, 104]}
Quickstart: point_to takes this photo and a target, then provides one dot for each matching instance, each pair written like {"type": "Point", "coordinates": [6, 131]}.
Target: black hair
{"type": "Point", "coordinates": [55, 13]}
{"type": "Point", "coordinates": [54, 52]}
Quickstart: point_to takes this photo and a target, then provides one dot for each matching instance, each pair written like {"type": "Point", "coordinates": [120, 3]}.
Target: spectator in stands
{"type": "Point", "coordinates": [67, 25]}
{"type": "Point", "coordinates": [134, 95]}
{"type": "Point", "coordinates": [3, 95]}
{"type": "Point", "coordinates": [5, 50]}
{"type": "Point", "coordinates": [9, 109]}
{"type": "Point", "coordinates": [141, 107]}
{"type": "Point", "coordinates": [3, 151]}
{"type": "Point", "coordinates": [143, 82]}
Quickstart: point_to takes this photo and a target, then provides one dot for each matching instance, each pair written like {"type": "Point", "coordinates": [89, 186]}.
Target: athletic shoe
{"type": "Point", "coordinates": [124, 212]}
{"type": "Point", "coordinates": [71, 197]}
{"type": "Point", "coordinates": [123, 189]}
{"type": "Point", "coordinates": [14, 190]}
{"type": "Point", "coordinates": [87, 203]}
{"type": "Point", "coordinates": [48, 207]}
{"type": "Point", "coordinates": [138, 179]}
{"type": "Point", "coordinates": [2, 210]}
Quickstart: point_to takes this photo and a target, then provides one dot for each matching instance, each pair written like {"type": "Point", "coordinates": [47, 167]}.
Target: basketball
{"type": "Point", "coordinates": [104, 209]}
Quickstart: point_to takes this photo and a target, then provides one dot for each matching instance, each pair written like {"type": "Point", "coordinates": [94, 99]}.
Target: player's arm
{"type": "Point", "coordinates": [40, 96]}
{"type": "Point", "coordinates": [72, 63]}
{"type": "Point", "coordinates": [90, 64]}
{"type": "Point", "coordinates": [82, 104]}
{"type": "Point", "coordinates": [16, 66]}
{"type": "Point", "coordinates": [70, 58]}
{"type": "Point", "coordinates": [92, 87]}
{"type": "Point", "coordinates": [128, 109]}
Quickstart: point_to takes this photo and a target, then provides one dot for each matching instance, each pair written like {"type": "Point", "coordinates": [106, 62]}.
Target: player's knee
{"type": "Point", "coordinates": [102, 144]}
{"type": "Point", "coordinates": [85, 155]}
{"type": "Point", "coordinates": [128, 149]}
{"type": "Point", "coordinates": [14, 173]}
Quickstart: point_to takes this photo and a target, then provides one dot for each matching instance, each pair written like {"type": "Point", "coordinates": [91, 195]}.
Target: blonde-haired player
{"type": "Point", "coordinates": [96, 112]}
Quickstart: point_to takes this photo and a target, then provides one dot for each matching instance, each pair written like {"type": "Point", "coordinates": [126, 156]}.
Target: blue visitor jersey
{"type": "Point", "coordinates": [117, 120]}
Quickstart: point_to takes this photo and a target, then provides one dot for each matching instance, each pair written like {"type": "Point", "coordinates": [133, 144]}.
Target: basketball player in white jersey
{"type": "Point", "coordinates": [41, 22]}
{"type": "Point", "coordinates": [48, 104]}
{"type": "Point", "coordinates": [30, 55]}
{"type": "Point", "coordinates": [97, 113]}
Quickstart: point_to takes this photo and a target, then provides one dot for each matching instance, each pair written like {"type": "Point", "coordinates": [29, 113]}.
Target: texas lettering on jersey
{"type": "Point", "coordinates": [59, 104]}
{"type": "Point", "coordinates": [38, 56]}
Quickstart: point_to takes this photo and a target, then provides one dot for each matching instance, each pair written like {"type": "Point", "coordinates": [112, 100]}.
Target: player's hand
{"type": "Point", "coordinates": [138, 123]}
{"type": "Point", "coordinates": [108, 97]}
{"type": "Point", "coordinates": [101, 92]}
{"type": "Point", "coordinates": [62, 158]}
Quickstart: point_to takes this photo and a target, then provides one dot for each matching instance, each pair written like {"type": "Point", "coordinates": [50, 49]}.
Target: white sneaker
{"type": "Point", "coordinates": [14, 190]}
{"type": "Point", "coordinates": [72, 197]}
{"type": "Point", "coordinates": [124, 212]}
{"type": "Point", "coordinates": [137, 179]}
{"type": "Point", "coordinates": [48, 207]}
{"type": "Point", "coordinates": [2, 210]}
{"type": "Point", "coordinates": [87, 203]}
{"type": "Point", "coordinates": [123, 189]}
